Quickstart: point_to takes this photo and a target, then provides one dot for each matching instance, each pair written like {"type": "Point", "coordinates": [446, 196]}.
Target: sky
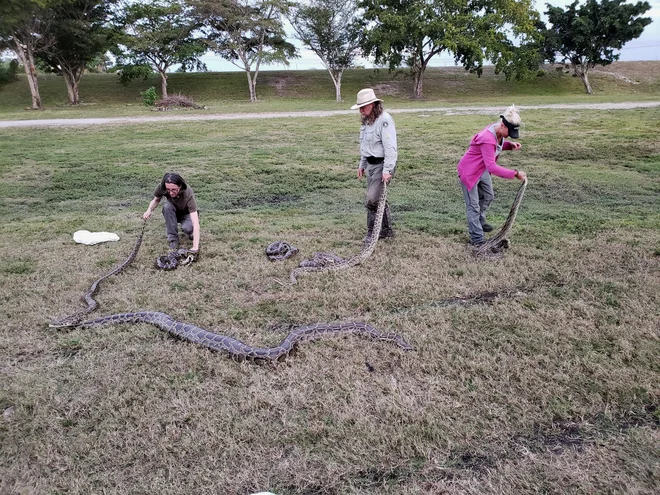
{"type": "Point", "coordinates": [646, 47]}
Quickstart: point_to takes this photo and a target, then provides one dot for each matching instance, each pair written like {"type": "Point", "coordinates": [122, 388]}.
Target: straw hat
{"type": "Point", "coordinates": [364, 97]}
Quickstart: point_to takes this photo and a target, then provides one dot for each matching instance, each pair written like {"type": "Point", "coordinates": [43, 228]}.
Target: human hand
{"type": "Point", "coordinates": [515, 145]}
{"type": "Point", "coordinates": [187, 256]}
{"type": "Point", "coordinates": [386, 177]}
{"type": "Point", "coordinates": [360, 173]}
{"type": "Point", "coordinates": [522, 175]}
{"type": "Point", "coordinates": [146, 215]}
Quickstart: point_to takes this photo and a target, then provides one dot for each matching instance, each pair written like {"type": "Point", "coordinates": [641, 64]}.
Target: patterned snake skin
{"type": "Point", "coordinates": [367, 250]}
{"type": "Point", "coordinates": [237, 349]}
{"type": "Point", "coordinates": [88, 297]}
{"type": "Point", "coordinates": [492, 248]}
{"type": "Point", "coordinates": [280, 250]}
{"type": "Point", "coordinates": [175, 258]}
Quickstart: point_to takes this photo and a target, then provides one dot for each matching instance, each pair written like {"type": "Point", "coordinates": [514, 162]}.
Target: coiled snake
{"type": "Point", "coordinates": [367, 249]}
{"type": "Point", "coordinates": [493, 247]}
{"type": "Point", "coordinates": [239, 350]}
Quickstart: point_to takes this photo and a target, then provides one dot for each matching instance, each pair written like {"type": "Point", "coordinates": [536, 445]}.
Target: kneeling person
{"type": "Point", "coordinates": [179, 207]}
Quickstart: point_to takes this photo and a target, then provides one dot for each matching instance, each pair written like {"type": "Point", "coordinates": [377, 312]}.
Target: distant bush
{"type": "Point", "coordinates": [8, 71]}
{"type": "Point", "coordinates": [149, 96]}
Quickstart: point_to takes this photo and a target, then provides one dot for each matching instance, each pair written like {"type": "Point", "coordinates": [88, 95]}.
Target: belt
{"type": "Point", "coordinates": [375, 160]}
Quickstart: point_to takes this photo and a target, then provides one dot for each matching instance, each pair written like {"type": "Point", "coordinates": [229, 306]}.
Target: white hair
{"type": "Point", "coordinates": [512, 116]}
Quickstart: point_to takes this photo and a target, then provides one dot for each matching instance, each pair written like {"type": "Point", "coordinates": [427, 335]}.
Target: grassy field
{"type": "Point", "coordinates": [535, 373]}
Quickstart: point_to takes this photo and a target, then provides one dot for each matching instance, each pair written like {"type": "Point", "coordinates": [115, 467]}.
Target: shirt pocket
{"type": "Point", "coordinates": [368, 135]}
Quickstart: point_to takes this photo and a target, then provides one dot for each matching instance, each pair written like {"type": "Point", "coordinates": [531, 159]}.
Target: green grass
{"type": "Point", "coordinates": [534, 373]}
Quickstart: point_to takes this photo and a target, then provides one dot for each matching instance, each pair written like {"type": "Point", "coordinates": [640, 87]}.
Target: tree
{"type": "Point", "coordinates": [414, 31]}
{"type": "Point", "coordinates": [588, 35]}
{"type": "Point", "coordinates": [160, 33]}
{"type": "Point", "coordinates": [22, 28]}
{"type": "Point", "coordinates": [327, 27]}
{"type": "Point", "coordinates": [248, 33]}
{"type": "Point", "coordinates": [78, 33]}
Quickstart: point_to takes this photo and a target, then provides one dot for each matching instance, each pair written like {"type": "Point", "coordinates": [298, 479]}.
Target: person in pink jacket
{"type": "Point", "coordinates": [477, 165]}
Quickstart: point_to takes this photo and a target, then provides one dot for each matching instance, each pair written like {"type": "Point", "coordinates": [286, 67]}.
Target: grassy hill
{"type": "Point", "coordinates": [101, 94]}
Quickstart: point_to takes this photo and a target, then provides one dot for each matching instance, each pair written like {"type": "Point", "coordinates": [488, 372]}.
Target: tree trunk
{"type": "Point", "coordinates": [26, 57]}
{"type": "Point", "coordinates": [71, 79]}
{"type": "Point", "coordinates": [418, 80]}
{"type": "Point", "coordinates": [587, 84]}
{"type": "Point", "coordinates": [163, 84]}
{"type": "Point", "coordinates": [336, 79]}
{"type": "Point", "coordinates": [252, 83]}
{"type": "Point", "coordinates": [582, 71]}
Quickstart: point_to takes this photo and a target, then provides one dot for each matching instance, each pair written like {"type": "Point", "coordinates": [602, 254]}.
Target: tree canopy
{"type": "Point", "coordinates": [247, 33]}
{"type": "Point", "coordinates": [160, 33]}
{"type": "Point", "coordinates": [589, 35]}
{"type": "Point", "coordinates": [328, 28]}
{"type": "Point", "coordinates": [78, 33]}
{"type": "Point", "coordinates": [412, 32]}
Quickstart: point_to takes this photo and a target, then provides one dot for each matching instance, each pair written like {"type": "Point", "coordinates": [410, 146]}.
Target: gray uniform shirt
{"type": "Point", "coordinates": [379, 139]}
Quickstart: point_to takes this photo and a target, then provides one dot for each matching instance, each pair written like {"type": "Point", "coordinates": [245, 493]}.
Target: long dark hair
{"type": "Point", "coordinates": [376, 112]}
{"type": "Point", "coordinates": [172, 178]}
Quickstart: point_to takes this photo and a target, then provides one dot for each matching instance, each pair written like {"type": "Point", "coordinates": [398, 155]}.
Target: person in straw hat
{"type": "Point", "coordinates": [378, 156]}
{"type": "Point", "coordinates": [477, 165]}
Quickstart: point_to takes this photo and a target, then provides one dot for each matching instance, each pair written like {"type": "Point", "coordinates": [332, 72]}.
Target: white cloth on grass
{"type": "Point", "coordinates": [90, 238]}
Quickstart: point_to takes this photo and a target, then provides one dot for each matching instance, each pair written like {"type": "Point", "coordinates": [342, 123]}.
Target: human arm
{"type": "Point", "coordinates": [488, 156]}
{"type": "Point", "coordinates": [194, 216]}
{"type": "Point", "coordinates": [511, 146]}
{"type": "Point", "coordinates": [390, 148]}
{"type": "Point", "coordinates": [154, 202]}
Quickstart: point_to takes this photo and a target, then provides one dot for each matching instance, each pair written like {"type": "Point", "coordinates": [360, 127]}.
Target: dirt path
{"type": "Point", "coordinates": [321, 113]}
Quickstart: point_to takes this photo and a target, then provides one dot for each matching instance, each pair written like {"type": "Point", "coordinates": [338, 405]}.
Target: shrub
{"type": "Point", "coordinates": [149, 96]}
{"type": "Point", "coordinates": [8, 71]}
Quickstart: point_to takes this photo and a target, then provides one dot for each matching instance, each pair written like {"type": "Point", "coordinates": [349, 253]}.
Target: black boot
{"type": "Point", "coordinates": [386, 231]}
{"type": "Point", "coordinates": [371, 219]}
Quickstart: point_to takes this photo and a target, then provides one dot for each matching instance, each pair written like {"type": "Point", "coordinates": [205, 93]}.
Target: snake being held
{"type": "Point", "coordinates": [88, 296]}
{"type": "Point", "coordinates": [492, 248]}
{"type": "Point", "coordinates": [175, 258]}
{"type": "Point", "coordinates": [367, 250]}
{"type": "Point", "coordinates": [239, 350]}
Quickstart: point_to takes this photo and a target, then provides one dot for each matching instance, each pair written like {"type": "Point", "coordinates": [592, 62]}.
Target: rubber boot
{"type": "Point", "coordinates": [371, 219]}
{"type": "Point", "coordinates": [386, 231]}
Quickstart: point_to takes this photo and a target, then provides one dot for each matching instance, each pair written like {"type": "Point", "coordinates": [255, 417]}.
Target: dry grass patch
{"type": "Point", "coordinates": [536, 372]}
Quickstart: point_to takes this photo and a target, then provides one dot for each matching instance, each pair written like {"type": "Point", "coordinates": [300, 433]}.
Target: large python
{"type": "Point", "coordinates": [493, 246]}
{"type": "Point", "coordinates": [239, 350]}
{"type": "Point", "coordinates": [88, 297]}
{"type": "Point", "coordinates": [367, 249]}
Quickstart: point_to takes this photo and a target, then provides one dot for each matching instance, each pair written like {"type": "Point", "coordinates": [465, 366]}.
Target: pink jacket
{"type": "Point", "coordinates": [480, 156]}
